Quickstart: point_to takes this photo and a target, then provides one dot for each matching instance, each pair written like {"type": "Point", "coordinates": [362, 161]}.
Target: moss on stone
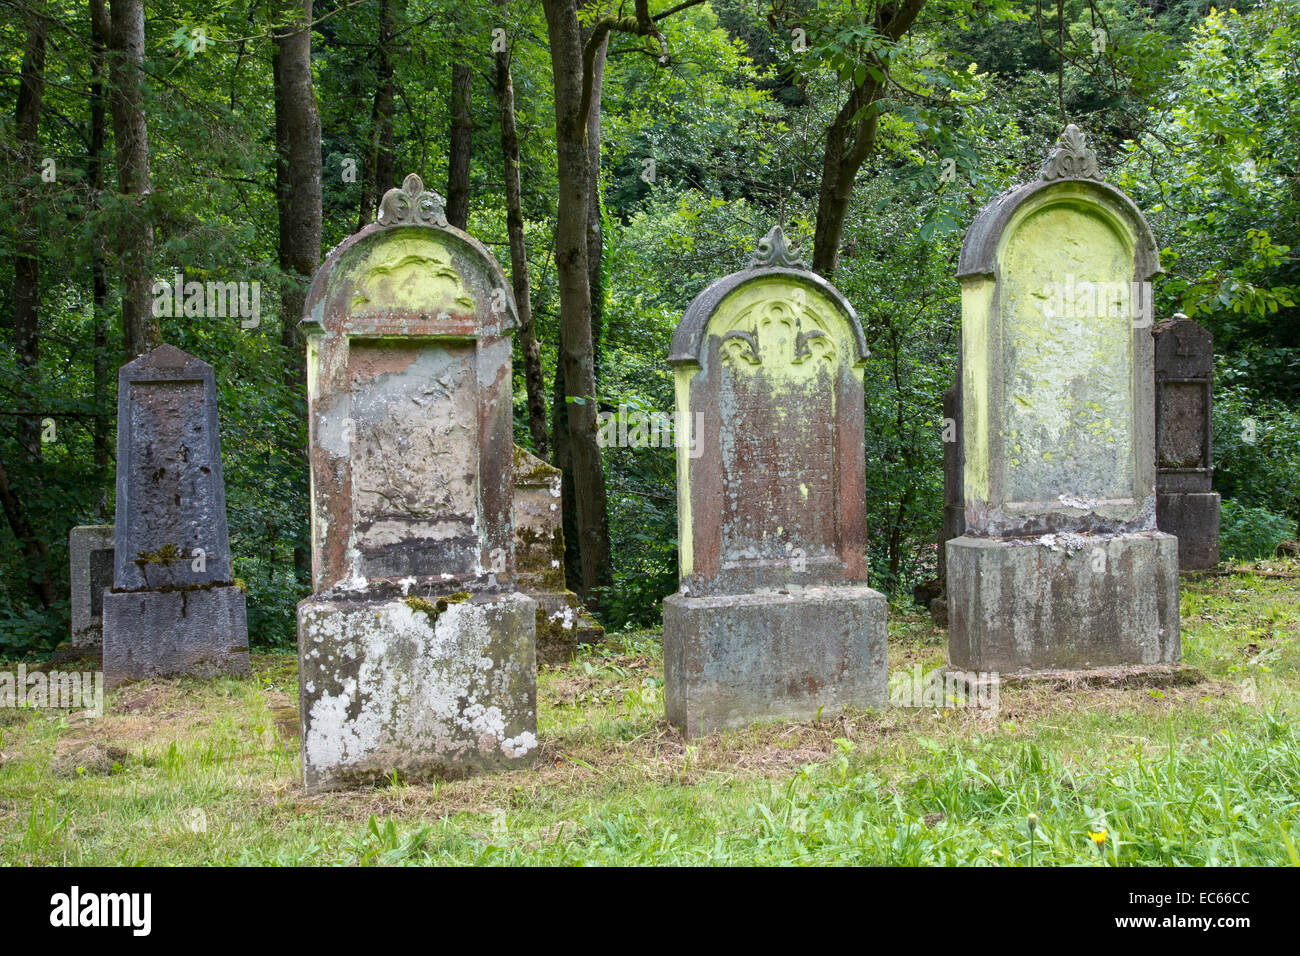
{"type": "Point", "coordinates": [168, 552]}
{"type": "Point", "coordinates": [434, 608]}
{"type": "Point", "coordinates": [531, 470]}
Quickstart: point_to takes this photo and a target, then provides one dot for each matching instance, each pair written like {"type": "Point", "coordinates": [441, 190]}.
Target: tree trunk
{"type": "Point", "coordinates": [533, 380]}
{"type": "Point", "coordinates": [850, 139]}
{"type": "Point", "coordinates": [99, 34]}
{"type": "Point", "coordinates": [595, 227]}
{"type": "Point", "coordinates": [377, 174]}
{"type": "Point", "coordinates": [576, 357]}
{"type": "Point", "coordinates": [135, 234]}
{"type": "Point", "coordinates": [27, 264]}
{"type": "Point", "coordinates": [34, 549]}
{"type": "Point", "coordinates": [461, 146]}
{"type": "Point", "coordinates": [298, 197]}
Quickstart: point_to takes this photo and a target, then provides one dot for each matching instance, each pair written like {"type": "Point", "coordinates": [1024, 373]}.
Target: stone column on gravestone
{"type": "Point", "coordinates": [416, 652]}
{"type": "Point", "coordinates": [562, 622]}
{"type": "Point", "coordinates": [173, 608]}
{"type": "Point", "coordinates": [90, 559]}
{"type": "Point", "coordinates": [773, 617]}
{"type": "Point", "coordinates": [1185, 505]}
{"type": "Point", "coordinates": [1061, 565]}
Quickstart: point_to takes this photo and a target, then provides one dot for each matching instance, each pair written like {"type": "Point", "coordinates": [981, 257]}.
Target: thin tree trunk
{"type": "Point", "coordinates": [534, 383]}
{"type": "Point", "coordinates": [27, 264]}
{"type": "Point", "coordinates": [595, 227]}
{"type": "Point", "coordinates": [99, 31]}
{"type": "Point", "coordinates": [34, 549]}
{"type": "Point", "coordinates": [851, 137]}
{"type": "Point", "coordinates": [135, 236]}
{"type": "Point", "coordinates": [298, 197]}
{"type": "Point", "coordinates": [461, 146]}
{"type": "Point", "coordinates": [377, 174]}
{"type": "Point", "coordinates": [576, 358]}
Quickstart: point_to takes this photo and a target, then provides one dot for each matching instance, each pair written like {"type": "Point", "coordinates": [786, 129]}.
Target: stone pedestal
{"type": "Point", "coordinates": [1193, 518]}
{"type": "Point", "coordinates": [200, 631]}
{"type": "Point", "coordinates": [733, 659]}
{"type": "Point", "coordinates": [1081, 601]}
{"type": "Point", "coordinates": [426, 688]}
{"type": "Point", "coordinates": [90, 559]}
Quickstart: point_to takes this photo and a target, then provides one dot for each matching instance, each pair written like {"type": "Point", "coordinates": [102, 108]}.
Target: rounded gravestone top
{"type": "Point", "coordinates": [772, 258]}
{"type": "Point", "coordinates": [1070, 171]}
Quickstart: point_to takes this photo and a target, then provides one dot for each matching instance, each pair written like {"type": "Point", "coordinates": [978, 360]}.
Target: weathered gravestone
{"type": "Point", "coordinates": [90, 560]}
{"type": "Point", "coordinates": [416, 654]}
{"type": "Point", "coordinates": [562, 622]}
{"type": "Point", "coordinates": [173, 608]}
{"type": "Point", "coordinates": [1060, 566]}
{"type": "Point", "coordinates": [1185, 505]}
{"type": "Point", "coordinates": [773, 617]}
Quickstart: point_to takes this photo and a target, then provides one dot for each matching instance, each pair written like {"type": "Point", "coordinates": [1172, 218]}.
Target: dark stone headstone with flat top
{"type": "Point", "coordinates": [1185, 505]}
{"type": "Point", "coordinates": [173, 608]}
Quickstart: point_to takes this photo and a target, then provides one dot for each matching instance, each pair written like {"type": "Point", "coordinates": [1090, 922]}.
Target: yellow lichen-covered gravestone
{"type": "Point", "coordinates": [1060, 566]}
{"type": "Point", "coordinates": [416, 653]}
{"type": "Point", "coordinates": [773, 617]}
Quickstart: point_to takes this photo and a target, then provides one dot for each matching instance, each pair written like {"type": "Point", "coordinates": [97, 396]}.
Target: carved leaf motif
{"type": "Point", "coordinates": [1071, 158]}
{"type": "Point", "coordinates": [412, 204]}
{"type": "Point", "coordinates": [774, 250]}
{"type": "Point", "coordinates": [747, 351]}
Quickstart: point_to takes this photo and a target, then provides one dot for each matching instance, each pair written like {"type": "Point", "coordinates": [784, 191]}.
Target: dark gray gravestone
{"type": "Point", "coordinates": [173, 608]}
{"type": "Point", "coordinates": [1185, 505]}
{"type": "Point", "coordinates": [773, 617]}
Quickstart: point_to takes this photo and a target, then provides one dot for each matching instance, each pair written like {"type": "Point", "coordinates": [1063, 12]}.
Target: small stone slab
{"type": "Point", "coordinates": [90, 559]}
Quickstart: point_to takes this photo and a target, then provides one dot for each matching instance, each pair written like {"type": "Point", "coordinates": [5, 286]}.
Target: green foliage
{"type": "Point", "coordinates": [1193, 111]}
{"type": "Point", "coordinates": [1248, 534]}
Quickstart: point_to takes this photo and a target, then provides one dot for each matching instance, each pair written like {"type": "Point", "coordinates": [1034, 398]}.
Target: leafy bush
{"type": "Point", "coordinates": [1248, 534]}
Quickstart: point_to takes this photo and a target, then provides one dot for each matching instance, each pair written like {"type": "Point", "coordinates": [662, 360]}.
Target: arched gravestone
{"type": "Point", "coordinates": [1060, 566]}
{"type": "Point", "coordinates": [416, 654]}
{"type": "Point", "coordinates": [173, 608]}
{"type": "Point", "coordinates": [773, 617]}
{"type": "Point", "coordinates": [1185, 505]}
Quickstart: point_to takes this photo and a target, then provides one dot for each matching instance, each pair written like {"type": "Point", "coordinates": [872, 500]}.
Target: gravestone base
{"type": "Point", "coordinates": [1193, 518]}
{"type": "Point", "coordinates": [1133, 676]}
{"type": "Point", "coordinates": [731, 660]}
{"type": "Point", "coordinates": [1083, 602]}
{"type": "Point", "coordinates": [562, 624]}
{"type": "Point", "coordinates": [424, 688]}
{"type": "Point", "coordinates": [200, 631]}
{"type": "Point", "coordinates": [90, 556]}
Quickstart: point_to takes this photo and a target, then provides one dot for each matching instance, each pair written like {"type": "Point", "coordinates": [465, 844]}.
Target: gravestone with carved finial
{"type": "Point", "coordinates": [1060, 566]}
{"type": "Point", "coordinates": [773, 617]}
{"type": "Point", "coordinates": [416, 651]}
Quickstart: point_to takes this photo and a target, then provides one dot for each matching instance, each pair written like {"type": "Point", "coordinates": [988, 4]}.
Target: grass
{"type": "Point", "coordinates": [1200, 774]}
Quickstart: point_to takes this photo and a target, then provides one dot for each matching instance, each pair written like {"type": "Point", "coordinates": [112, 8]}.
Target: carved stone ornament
{"type": "Point", "coordinates": [412, 205]}
{"type": "Point", "coordinates": [1070, 158]}
{"type": "Point", "coordinates": [775, 251]}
